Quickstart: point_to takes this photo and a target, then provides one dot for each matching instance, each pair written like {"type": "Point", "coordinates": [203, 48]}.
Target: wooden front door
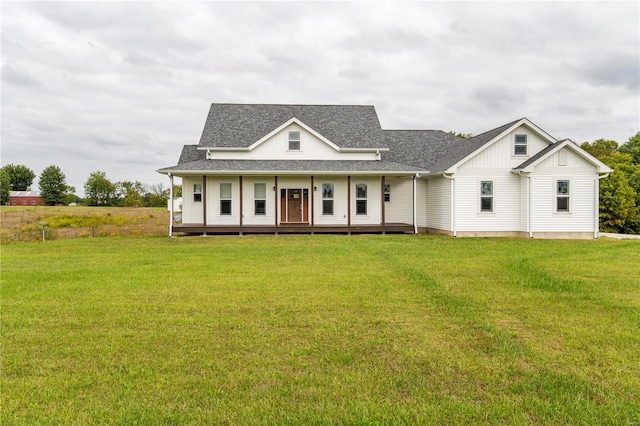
{"type": "Point", "coordinates": [294, 206]}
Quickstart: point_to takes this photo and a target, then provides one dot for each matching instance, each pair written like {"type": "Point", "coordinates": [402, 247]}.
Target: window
{"type": "Point", "coordinates": [387, 192]}
{"type": "Point", "coordinates": [33, 202]}
{"type": "Point", "coordinates": [260, 198]}
{"type": "Point", "coordinates": [562, 196]}
{"type": "Point", "coordinates": [520, 145]}
{"type": "Point", "coordinates": [225, 198]}
{"type": "Point", "coordinates": [24, 202]}
{"type": "Point", "coordinates": [14, 202]}
{"type": "Point", "coordinates": [327, 199]}
{"type": "Point", "coordinates": [294, 140]}
{"type": "Point", "coordinates": [361, 198]}
{"type": "Point", "coordinates": [197, 192]}
{"type": "Point", "coordinates": [486, 196]}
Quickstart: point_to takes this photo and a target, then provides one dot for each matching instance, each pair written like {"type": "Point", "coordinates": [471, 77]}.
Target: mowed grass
{"type": "Point", "coordinates": [363, 330]}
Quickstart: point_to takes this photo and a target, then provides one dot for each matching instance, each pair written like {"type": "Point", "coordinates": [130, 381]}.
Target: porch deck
{"type": "Point", "coordinates": [199, 229]}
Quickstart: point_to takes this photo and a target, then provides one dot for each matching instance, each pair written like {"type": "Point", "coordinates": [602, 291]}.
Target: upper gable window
{"type": "Point", "coordinates": [520, 145]}
{"type": "Point", "coordinates": [294, 140]}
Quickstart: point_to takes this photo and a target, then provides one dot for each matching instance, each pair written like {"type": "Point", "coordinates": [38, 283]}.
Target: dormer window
{"type": "Point", "coordinates": [294, 140]}
{"type": "Point", "coordinates": [520, 145]}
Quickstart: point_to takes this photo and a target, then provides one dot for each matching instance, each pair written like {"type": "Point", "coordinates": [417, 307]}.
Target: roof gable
{"type": "Point", "coordinates": [529, 165]}
{"type": "Point", "coordinates": [243, 126]}
{"type": "Point", "coordinates": [477, 144]}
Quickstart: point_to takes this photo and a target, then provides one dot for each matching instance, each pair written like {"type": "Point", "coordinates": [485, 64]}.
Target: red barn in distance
{"type": "Point", "coordinates": [25, 198]}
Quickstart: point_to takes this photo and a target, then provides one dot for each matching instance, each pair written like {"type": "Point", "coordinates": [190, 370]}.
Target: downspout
{"type": "Point", "coordinates": [596, 213]}
{"type": "Point", "coordinates": [529, 228]}
{"type": "Point", "coordinates": [453, 202]}
{"type": "Point", "coordinates": [170, 204]}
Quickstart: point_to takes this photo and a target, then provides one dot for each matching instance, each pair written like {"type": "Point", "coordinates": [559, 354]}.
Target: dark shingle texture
{"type": "Point", "coordinates": [239, 125]}
{"type": "Point", "coordinates": [303, 166]}
{"type": "Point", "coordinates": [434, 150]}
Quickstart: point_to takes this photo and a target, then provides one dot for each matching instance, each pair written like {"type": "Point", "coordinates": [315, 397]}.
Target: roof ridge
{"type": "Point", "coordinates": [278, 104]}
{"type": "Point", "coordinates": [499, 127]}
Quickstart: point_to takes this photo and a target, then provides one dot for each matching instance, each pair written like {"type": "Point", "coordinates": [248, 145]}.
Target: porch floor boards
{"type": "Point", "coordinates": [296, 228]}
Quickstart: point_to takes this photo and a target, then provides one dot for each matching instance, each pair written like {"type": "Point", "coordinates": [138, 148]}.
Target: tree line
{"type": "Point", "coordinates": [98, 189]}
{"type": "Point", "coordinates": [620, 191]}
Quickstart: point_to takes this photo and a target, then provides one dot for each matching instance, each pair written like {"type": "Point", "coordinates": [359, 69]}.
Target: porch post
{"type": "Point", "coordinates": [349, 205]}
{"type": "Point", "coordinates": [204, 203]}
{"type": "Point", "coordinates": [415, 205]}
{"type": "Point", "coordinates": [241, 196]}
{"type": "Point", "coordinates": [276, 202]}
{"type": "Point", "coordinates": [382, 204]}
{"type": "Point", "coordinates": [170, 205]}
{"type": "Point", "coordinates": [313, 193]}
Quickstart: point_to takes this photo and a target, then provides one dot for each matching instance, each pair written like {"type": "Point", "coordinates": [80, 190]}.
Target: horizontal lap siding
{"type": "Point", "coordinates": [400, 207]}
{"type": "Point", "coordinates": [439, 203]}
{"type": "Point", "coordinates": [582, 175]}
{"type": "Point", "coordinates": [506, 203]}
{"type": "Point", "coordinates": [421, 208]}
{"type": "Point", "coordinates": [581, 216]}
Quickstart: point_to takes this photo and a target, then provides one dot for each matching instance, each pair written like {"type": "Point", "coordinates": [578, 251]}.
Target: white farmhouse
{"type": "Point", "coordinates": [333, 169]}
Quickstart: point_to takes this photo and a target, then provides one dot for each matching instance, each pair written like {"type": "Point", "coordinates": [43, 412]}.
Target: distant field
{"type": "Point", "coordinates": [365, 330]}
{"type": "Point", "coordinates": [22, 224]}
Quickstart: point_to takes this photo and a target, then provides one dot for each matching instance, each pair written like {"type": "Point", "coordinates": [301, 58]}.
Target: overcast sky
{"type": "Point", "coordinates": [120, 87]}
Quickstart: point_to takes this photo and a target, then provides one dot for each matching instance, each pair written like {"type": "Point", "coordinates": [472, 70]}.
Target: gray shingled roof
{"type": "Point", "coordinates": [239, 125]}
{"type": "Point", "coordinates": [434, 150]}
{"type": "Point", "coordinates": [305, 166]}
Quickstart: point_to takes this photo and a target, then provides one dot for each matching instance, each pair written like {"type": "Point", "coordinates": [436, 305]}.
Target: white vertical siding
{"type": "Point", "coordinates": [277, 148]}
{"type": "Point", "coordinates": [191, 211]}
{"type": "Point", "coordinates": [501, 155]}
{"type": "Point", "coordinates": [400, 207]}
{"type": "Point", "coordinates": [249, 217]}
{"type": "Point", "coordinates": [339, 215]}
{"type": "Point", "coordinates": [213, 200]}
{"type": "Point", "coordinates": [373, 200]}
{"type": "Point", "coordinates": [439, 203]}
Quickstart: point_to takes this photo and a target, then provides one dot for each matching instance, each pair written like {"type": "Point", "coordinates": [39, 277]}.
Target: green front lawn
{"type": "Point", "coordinates": [368, 330]}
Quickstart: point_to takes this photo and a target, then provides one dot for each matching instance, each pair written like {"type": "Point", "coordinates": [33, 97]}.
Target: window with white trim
{"type": "Point", "coordinates": [486, 196]}
{"type": "Point", "coordinates": [361, 198]}
{"type": "Point", "coordinates": [563, 195]}
{"type": "Point", "coordinates": [520, 145]}
{"type": "Point", "coordinates": [387, 192]}
{"type": "Point", "coordinates": [225, 198]}
{"type": "Point", "coordinates": [327, 199]}
{"type": "Point", "coordinates": [197, 192]}
{"type": "Point", "coordinates": [294, 140]}
{"type": "Point", "coordinates": [260, 198]}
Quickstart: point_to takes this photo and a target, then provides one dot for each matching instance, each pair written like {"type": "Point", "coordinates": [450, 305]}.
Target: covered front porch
{"type": "Point", "coordinates": [199, 229]}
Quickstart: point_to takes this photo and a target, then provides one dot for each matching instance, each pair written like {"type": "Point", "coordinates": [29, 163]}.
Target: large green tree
{"type": "Point", "coordinates": [20, 177]}
{"type": "Point", "coordinates": [632, 147]}
{"type": "Point", "coordinates": [53, 185]}
{"type": "Point", "coordinates": [620, 191]}
{"type": "Point", "coordinates": [5, 186]}
{"type": "Point", "coordinates": [129, 194]}
{"type": "Point", "coordinates": [98, 190]}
